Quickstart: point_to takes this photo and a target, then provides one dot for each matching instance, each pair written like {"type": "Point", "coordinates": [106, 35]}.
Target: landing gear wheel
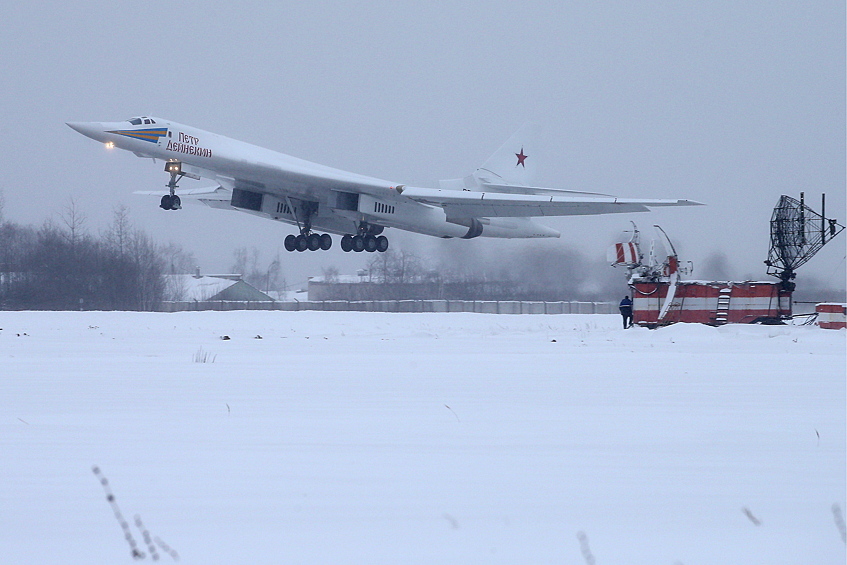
{"type": "Point", "coordinates": [382, 244]}
{"type": "Point", "coordinates": [326, 242]}
{"type": "Point", "coordinates": [301, 243]}
{"type": "Point", "coordinates": [176, 203]}
{"type": "Point", "coordinates": [290, 242]}
{"type": "Point", "coordinates": [370, 243]}
{"type": "Point", "coordinates": [314, 242]}
{"type": "Point", "coordinates": [167, 202]}
{"type": "Point", "coordinates": [358, 243]}
{"type": "Point", "coordinates": [347, 243]}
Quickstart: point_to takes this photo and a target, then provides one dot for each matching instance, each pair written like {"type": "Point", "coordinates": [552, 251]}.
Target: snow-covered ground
{"type": "Point", "coordinates": [419, 438]}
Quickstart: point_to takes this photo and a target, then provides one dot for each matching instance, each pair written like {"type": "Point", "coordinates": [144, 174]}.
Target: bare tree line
{"type": "Point", "coordinates": [247, 262]}
{"type": "Point", "coordinates": [62, 266]}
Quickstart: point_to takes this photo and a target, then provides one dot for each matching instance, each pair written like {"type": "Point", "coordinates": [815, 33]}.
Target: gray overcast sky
{"type": "Point", "coordinates": [729, 103]}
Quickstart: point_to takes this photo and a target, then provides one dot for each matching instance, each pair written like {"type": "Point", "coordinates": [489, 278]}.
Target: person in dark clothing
{"type": "Point", "coordinates": [626, 311]}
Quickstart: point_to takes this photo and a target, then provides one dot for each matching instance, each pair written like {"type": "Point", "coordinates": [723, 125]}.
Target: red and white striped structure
{"type": "Point", "coordinates": [713, 303]}
{"type": "Point", "coordinates": [832, 316]}
{"type": "Point", "coordinates": [625, 253]}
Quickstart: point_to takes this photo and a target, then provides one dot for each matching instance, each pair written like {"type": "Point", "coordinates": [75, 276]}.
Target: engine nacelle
{"type": "Point", "coordinates": [503, 227]}
{"type": "Point", "coordinates": [474, 227]}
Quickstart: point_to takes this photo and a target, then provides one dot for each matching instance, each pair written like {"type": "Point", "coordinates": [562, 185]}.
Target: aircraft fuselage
{"type": "Point", "coordinates": [344, 201]}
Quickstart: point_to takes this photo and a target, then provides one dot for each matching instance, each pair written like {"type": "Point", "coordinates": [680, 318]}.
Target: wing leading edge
{"type": "Point", "coordinates": [471, 204]}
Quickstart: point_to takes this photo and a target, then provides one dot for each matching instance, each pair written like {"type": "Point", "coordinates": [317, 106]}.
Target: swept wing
{"type": "Point", "coordinates": [473, 204]}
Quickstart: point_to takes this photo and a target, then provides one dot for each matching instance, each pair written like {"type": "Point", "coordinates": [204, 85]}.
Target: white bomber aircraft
{"type": "Point", "coordinates": [498, 200]}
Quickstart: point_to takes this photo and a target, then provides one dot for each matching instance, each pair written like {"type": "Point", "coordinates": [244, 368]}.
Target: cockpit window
{"type": "Point", "coordinates": [141, 120]}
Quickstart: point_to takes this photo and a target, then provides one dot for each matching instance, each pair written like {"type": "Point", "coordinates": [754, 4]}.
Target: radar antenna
{"type": "Point", "coordinates": [797, 233]}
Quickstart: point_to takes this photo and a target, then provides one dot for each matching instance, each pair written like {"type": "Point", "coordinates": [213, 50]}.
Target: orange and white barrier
{"type": "Point", "coordinates": [832, 316]}
{"type": "Point", "coordinates": [710, 302]}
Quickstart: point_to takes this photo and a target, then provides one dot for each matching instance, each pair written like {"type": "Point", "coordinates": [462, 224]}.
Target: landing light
{"type": "Point", "coordinates": [110, 144]}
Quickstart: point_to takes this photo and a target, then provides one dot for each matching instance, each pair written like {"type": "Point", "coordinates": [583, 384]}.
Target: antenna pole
{"type": "Point", "coordinates": [802, 218]}
{"type": "Point", "coordinates": [823, 217]}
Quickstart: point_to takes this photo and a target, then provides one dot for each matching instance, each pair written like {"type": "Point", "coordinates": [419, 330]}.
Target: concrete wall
{"type": "Point", "coordinates": [480, 306]}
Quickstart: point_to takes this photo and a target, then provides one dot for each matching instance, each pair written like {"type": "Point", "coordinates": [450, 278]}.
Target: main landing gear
{"type": "Point", "coordinates": [357, 243]}
{"type": "Point", "coordinates": [308, 242]}
{"type": "Point", "coordinates": [369, 243]}
{"type": "Point", "coordinates": [171, 201]}
{"type": "Point", "coordinates": [368, 239]}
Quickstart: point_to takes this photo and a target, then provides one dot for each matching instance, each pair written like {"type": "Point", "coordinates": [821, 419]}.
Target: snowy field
{"type": "Point", "coordinates": [419, 439]}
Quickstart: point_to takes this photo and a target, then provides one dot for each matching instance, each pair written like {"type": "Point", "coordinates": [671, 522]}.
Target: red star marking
{"type": "Point", "coordinates": [521, 158]}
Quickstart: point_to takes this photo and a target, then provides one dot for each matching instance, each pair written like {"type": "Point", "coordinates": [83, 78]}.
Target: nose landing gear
{"type": "Point", "coordinates": [171, 201]}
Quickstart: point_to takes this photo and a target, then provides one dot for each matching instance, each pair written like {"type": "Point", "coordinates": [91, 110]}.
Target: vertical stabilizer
{"type": "Point", "coordinates": [514, 163]}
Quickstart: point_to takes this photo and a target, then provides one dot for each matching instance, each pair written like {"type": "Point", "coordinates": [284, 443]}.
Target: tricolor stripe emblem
{"type": "Point", "coordinates": [148, 134]}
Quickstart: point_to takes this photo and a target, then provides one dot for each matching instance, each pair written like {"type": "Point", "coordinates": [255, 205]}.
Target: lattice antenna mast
{"type": "Point", "coordinates": [797, 233]}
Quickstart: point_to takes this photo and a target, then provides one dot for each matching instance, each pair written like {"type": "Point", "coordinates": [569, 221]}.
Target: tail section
{"type": "Point", "coordinates": [513, 164]}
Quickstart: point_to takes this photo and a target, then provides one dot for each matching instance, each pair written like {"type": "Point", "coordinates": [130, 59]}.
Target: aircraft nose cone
{"type": "Point", "coordinates": [81, 127]}
{"type": "Point", "coordinates": [94, 130]}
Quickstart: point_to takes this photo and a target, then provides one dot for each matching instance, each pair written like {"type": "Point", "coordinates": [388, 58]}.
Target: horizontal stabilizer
{"type": "Point", "coordinates": [205, 193]}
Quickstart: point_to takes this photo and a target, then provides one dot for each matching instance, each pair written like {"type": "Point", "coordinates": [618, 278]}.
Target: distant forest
{"type": "Point", "coordinates": [60, 265]}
